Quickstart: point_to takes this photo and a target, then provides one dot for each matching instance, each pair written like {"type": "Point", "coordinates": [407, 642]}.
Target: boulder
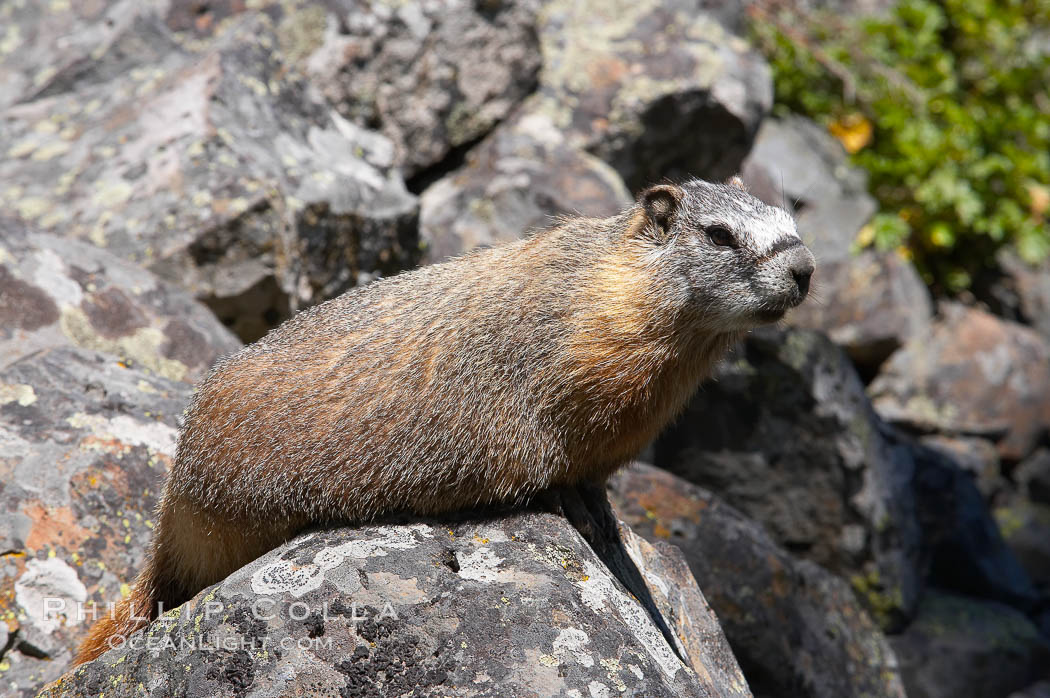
{"type": "Point", "coordinates": [869, 302]}
{"type": "Point", "coordinates": [795, 628]}
{"type": "Point", "coordinates": [517, 605]}
{"type": "Point", "coordinates": [518, 179]}
{"type": "Point", "coordinates": [1026, 528]}
{"type": "Point", "coordinates": [51, 48]}
{"type": "Point", "coordinates": [797, 165]}
{"type": "Point", "coordinates": [85, 440]}
{"type": "Point", "coordinates": [211, 166]}
{"type": "Point", "coordinates": [56, 292]}
{"type": "Point", "coordinates": [1033, 476]}
{"type": "Point", "coordinates": [963, 550]}
{"type": "Point", "coordinates": [432, 77]}
{"type": "Point", "coordinates": [970, 373]}
{"type": "Point", "coordinates": [785, 433]}
{"type": "Point", "coordinates": [693, 622]}
{"type": "Point", "coordinates": [961, 647]}
{"type": "Point", "coordinates": [1018, 291]}
{"type": "Point", "coordinates": [1032, 285]}
{"type": "Point", "coordinates": [978, 457]}
{"type": "Point", "coordinates": [655, 88]}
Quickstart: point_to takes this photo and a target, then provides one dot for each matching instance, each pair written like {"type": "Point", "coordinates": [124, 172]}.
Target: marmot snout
{"type": "Point", "coordinates": [547, 361]}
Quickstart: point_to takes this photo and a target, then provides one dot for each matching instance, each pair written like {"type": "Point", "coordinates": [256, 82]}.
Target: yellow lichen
{"type": "Point", "coordinates": [32, 207]}
{"type": "Point", "coordinates": [50, 150]}
{"type": "Point", "coordinates": [109, 194]}
{"type": "Point", "coordinates": [142, 346]}
{"type": "Point", "coordinates": [11, 39]}
{"type": "Point", "coordinates": [21, 393]}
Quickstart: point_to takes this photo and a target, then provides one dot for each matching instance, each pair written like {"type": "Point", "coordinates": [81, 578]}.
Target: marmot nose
{"type": "Point", "coordinates": [802, 275]}
{"type": "Point", "coordinates": [801, 268]}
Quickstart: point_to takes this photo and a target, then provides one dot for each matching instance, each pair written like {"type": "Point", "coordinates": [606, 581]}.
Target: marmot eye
{"type": "Point", "coordinates": [720, 235]}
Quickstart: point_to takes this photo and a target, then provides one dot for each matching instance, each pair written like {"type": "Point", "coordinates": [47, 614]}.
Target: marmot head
{"type": "Point", "coordinates": [733, 260]}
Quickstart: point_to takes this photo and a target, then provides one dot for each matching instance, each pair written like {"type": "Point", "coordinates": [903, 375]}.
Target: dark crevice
{"type": "Point", "coordinates": [456, 156]}
{"type": "Point", "coordinates": [452, 161]}
{"type": "Point", "coordinates": [16, 643]}
{"type": "Point", "coordinates": [586, 507]}
{"type": "Point", "coordinates": [450, 560]}
{"type": "Point", "coordinates": [799, 548]}
{"type": "Point", "coordinates": [31, 650]}
{"type": "Point", "coordinates": [12, 638]}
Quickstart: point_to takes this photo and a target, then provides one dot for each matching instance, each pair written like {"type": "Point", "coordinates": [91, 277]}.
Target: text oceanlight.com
{"type": "Point", "coordinates": [193, 643]}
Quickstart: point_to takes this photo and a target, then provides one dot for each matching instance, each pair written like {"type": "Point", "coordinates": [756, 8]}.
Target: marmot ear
{"type": "Point", "coordinates": [661, 204]}
{"type": "Point", "coordinates": [735, 181]}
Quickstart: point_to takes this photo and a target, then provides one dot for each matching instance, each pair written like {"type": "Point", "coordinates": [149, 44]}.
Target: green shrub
{"type": "Point", "coordinates": [946, 104]}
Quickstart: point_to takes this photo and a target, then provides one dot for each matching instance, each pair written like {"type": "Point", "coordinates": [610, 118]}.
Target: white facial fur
{"type": "Point", "coordinates": [755, 279]}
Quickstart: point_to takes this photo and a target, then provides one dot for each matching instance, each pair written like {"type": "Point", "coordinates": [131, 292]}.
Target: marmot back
{"type": "Point", "coordinates": [486, 379]}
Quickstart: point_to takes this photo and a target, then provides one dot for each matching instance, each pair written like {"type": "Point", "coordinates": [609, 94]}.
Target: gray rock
{"type": "Point", "coordinates": [963, 550]}
{"type": "Point", "coordinates": [511, 606]}
{"type": "Point", "coordinates": [1033, 476]}
{"type": "Point", "coordinates": [518, 179]}
{"type": "Point", "coordinates": [656, 88]}
{"type": "Point", "coordinates": [870, 304]}
{"type": "Point", "coordinates": [797, 165]}
{"type": "Point", "coordinates": [970, 373]}
{"type": "Point", "coordinates": [431, 76]}
{"type": "Point", "coordinates": [43, 583]}
{"type": "Point", "coordinates": [697, 631]}
{"type": "Point", "coordinates": [796, 629]}
{"type": "Point", "coordinates": [52, 48]}
{"type": "Point", "coordinates": [1026, 528]}
{"type": "Point", "coordinates": [84, 444]}
{"type": "Point", "coordinates": [960, 647]}
{"type": "Point", "coordinates": [56, 292]}
{"type": "Point", "coordinates": [785, 433]}
{"type": "Point", "coordinates": [1021, 293]}
{"type": "Point", "coordinates": [977, 456]}
{"type": "Point", "coordinates": [212, 166]}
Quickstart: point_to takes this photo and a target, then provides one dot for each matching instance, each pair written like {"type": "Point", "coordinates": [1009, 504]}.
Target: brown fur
{"type": "Point", "coordinates": [548, 361]}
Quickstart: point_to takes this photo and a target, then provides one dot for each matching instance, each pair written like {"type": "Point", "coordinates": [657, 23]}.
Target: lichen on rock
{"type": "Point", "coordinates": [380, 609]}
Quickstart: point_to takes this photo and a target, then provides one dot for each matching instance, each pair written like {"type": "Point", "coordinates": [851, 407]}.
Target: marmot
{"type": "Point", "coordinates": [552, 360]}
